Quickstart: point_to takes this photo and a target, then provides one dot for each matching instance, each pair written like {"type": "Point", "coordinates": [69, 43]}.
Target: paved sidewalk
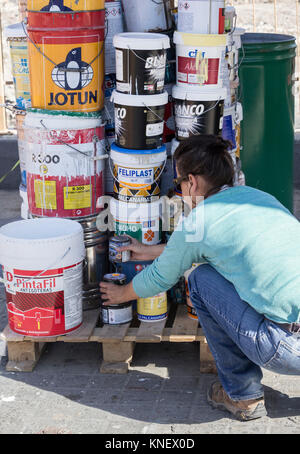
{"type": "Point", "coordinates": [163, 393]}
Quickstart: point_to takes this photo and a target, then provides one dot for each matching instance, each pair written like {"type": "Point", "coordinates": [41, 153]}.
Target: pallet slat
{"type": "Point", "coordinates": [184, 328]}
{"type": "Point", "coordinates": [110, 333]}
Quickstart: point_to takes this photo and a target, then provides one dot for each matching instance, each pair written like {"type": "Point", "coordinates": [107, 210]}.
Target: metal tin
{"type": "Point", "coordinates": [117, 314]}
{"type": "Point", "coordinates": [115, 243]}
{"type": "Point", "coordinates": [115, 278]}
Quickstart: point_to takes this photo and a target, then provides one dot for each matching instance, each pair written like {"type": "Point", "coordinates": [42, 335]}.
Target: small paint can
{"type": "Point", "coordinates": [153, 309]}
{"type": "Point", "coordinates": [114, 244]}
{"type": "Point", "coordinates": [117, 314]}
{"type": "Point", "coordinates": [115, 278]}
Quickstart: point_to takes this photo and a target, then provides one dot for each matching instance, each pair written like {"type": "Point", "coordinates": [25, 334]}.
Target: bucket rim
{"type": "Point", "coordinates": [139, 100]}
{"type": "Point", "coordinates": [204, 40]}
{"type": "Point", "coordinates": [196, 94]}
{"type": "Point", "coordinates": [279, 38]}
{"type": "Point", "coordinates": [141, 41]}
{"type": "Point", "coordinates": [67, 113]}
{"type": "Point", "coordinates": [114, 147]}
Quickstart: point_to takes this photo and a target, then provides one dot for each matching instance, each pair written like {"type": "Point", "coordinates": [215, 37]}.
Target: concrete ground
{"type": "Point", "coordinates": [163, 393]}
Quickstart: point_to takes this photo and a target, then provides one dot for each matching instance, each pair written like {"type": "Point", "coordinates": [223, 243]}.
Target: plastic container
{"type": "Point", "coordinates": [198, 111]}
{"type": "Point", "coordinates": [138, 220]}
{"type": "Point", "coordinates": [200, 59]}
{"type": "Point", "coordinates": [42, 269]}
{"type": "Point", "coordinates": [147, 15]}
{"type": "Point", "coordinates": [65, 172]}
{"type": "Point", "coordinates": [201, 16]}
{"type": "Point", "coordinates": [139, 120]}
{"type": "Point", "coordinates": [137, 173]}
{"type": "Point", "coordinates": [114, 21]}
{"type": "Point", "coordinates": [141, 62]}
{"type": "Point", "coordinates": [17, 39]}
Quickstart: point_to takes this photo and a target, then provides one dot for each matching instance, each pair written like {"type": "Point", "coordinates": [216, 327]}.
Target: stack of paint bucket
{"type": "Point", "coordinates": [138, 155]}
{"type": "Point", "coordinates": [64, 136]}
{"type": "Point", "coordinates": [114, 24]}
{"type": "Point", "coordinates": [16, 37]}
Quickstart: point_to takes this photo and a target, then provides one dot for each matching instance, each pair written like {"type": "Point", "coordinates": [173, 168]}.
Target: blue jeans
{"type": "Point", "coordinates": [240, 339]}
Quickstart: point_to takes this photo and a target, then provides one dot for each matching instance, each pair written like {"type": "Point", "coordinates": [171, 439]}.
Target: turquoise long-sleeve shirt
{"type": "Point", "coordinates": [249, 238]}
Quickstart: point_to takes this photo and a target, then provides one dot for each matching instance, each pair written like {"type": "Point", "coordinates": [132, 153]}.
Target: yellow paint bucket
{"type": "Point", "coordinates": [66, 60]}
{"type": "Point", "coordinates": [64, 5]}
{"type": "Point", "coordinates": [153, 309]}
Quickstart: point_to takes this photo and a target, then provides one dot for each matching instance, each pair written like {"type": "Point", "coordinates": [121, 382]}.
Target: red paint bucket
{"type": "Point", "coordinates": [65, 169]}
{"type": "Point", "coordinates": [42, 270]}
{"type": "Point", "coordinates": [66, 60]}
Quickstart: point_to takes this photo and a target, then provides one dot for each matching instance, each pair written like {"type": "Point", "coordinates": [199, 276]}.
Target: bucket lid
{"type": "Point", "coordinates": [141, 41]}
{"type": "Point", "coordinates": [193, 39]}
{"type": "Point", "coordinates": [204, 94]}
{"type": "Point", "coordinates": [139, 100]}
{"type": "Point", "coordinates": [15, 31]}
{"type": "Point", "coordinates": [37, 244]}
{"type": "Point", "coordinates": [61, 119]}
{"type": "Point", "coordinates": [115, 147]}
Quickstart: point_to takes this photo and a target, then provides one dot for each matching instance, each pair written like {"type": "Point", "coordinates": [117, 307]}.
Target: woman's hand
{"type": "Point", "coordinates": [140, 251]}
{"type": "Point", "coordinates": [116, 294]}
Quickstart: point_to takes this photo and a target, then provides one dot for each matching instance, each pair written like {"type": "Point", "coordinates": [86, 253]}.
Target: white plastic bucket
{"type": "Point", "coordinates": [114, 25]}
{"type": "Point", "coordinates": [65, 169]}
{"type": "Point", "coordinates": [201, 16]}
{"type": "Point", "coordinates": [147, 15]}
{"type": "Point", "coordinates": [137, 173]}
{"type": "Point", "coordinates": [141, 62]}
{"type": "Point", "coordinates": [139, 120]}
{"type": "Point", "coordinates": [42, 269]}
{"type": "Point", "coordinates": [20, 63]}
{"type": "Point", "coordinates": [198, 111]}
{"type": "Point", "coordinates": [200, 59]}
{"type": "Point", "coordinates": [138, 220]}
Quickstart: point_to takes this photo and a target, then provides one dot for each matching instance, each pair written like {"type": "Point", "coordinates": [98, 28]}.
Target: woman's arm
{"type": "Point", "coordinates": [116, 294]}
{"type": "Point", "coordinates": [140, 251]}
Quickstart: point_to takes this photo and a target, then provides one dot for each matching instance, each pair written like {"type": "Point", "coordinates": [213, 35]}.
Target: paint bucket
{"type": "Point", "coordinates": [66, 53]}
{"type": "Point", "coordinates": [109, 110]}
{"type": "Point", "coordinates": [24, 205]}
{"type": "Point", "coordinates": [201, 16]}
{"type": "Point", "coordinates": [198, 111]}
{"type": "Point", "coordinates": [42, 269]}
{"type": "Point", "coordinates": [16, 37]}
{"type": "Point", "coordinates": [132, 268]}
{"type": "Point", "coordinates": [153, 309]}
{"type": "Point", "coordinates": [117, 314]}
{"type": "Point", "coordinates": [234, 44]}
{"type": "Point", "coordinates": [138, 220]}
{"type": "Point", "coordinates": [147, 16]}
{"type": "Point", "coordinates": [146, 113]}
{"type": "Point", "coordinates": [96, 262]}
{"type": "Point", "coordinates": [114, 25]}
{"type": "Point", "coordinates": [64, 164]}
{"type": "Point", "coordinates": [137, 173]}
{"type": "Point", "coordinates": [200, 59]}
{"type": "Point", "coordinates": [228, 130]}
{"type": "Point", "coordinates": [56, 6]}
{"type": "Point", "coordinates": [141, 62]}
{"type": "Point", "coordinates": [20, 119]}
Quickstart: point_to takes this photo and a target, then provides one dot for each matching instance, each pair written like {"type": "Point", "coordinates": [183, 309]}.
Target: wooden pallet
{"type": "Point", "coordinates": [117, 341]}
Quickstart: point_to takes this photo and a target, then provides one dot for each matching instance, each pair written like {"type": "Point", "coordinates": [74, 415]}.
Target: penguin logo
{"type": "Point", "coordinates": [80, 73]}
{"type": "Point", "coordinates": [56, 5]}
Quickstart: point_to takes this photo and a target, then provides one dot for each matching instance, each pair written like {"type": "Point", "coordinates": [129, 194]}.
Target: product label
{"type": "Point", "coordinates": [154, 129]}
{"type": "Point", "coordinates": [152, 308]}
{"type": "Point", "coordinates": [135, 176]}
{"type": "Point", "coordinates": [198, 70]}
{"type": "Point", "coordinates": [45, 194]}
{"type": "Point", "coordinates": [116, 316]}
{"type": "Point", "coordinates": [148, 232]}
{"type": "Point", "coordinates": [76, 197]}
{"type": "Point", "coordinates": [44, 303]}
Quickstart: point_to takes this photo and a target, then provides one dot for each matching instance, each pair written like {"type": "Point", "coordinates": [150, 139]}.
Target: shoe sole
{"type": "Point", "coordinates": [241, 415]}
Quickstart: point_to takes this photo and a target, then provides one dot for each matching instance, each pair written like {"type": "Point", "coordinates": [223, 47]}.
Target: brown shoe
{"type": "Point", "coordinates": [243, 410]}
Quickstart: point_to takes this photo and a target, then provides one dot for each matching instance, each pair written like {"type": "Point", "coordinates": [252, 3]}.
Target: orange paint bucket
{"type": "Point", "coordinates": [64, 5]}
{"type": "Point", "coordinates": [66, 59]}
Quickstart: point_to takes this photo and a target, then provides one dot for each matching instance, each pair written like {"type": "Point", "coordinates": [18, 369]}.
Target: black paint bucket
{"type": "Point", "coordinates": [141, 62]}
{"type": "Point", "coordinates": [198, 111]}
{"type": "Point", "coordinates": [139, 120]}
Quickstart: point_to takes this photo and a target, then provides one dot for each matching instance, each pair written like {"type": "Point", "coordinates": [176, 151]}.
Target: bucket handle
{"type": "Point", "coordinates": [95, 139]}
{"type": "Point", "coordinates": [145, 61]}
{"type": "Point", "coordinates": [46, 269]}
{"type": "Point", "coordinates": [140, 187]}
{"type": "Point", "coordinates": [55, 64]}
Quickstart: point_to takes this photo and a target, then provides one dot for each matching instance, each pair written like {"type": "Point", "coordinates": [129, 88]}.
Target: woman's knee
{"type": "Point", "coordinates": [199, 276]}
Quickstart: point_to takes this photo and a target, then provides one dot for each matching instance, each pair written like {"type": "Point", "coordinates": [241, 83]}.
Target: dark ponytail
{"type": "Point", "coordinates": [208, 156]}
